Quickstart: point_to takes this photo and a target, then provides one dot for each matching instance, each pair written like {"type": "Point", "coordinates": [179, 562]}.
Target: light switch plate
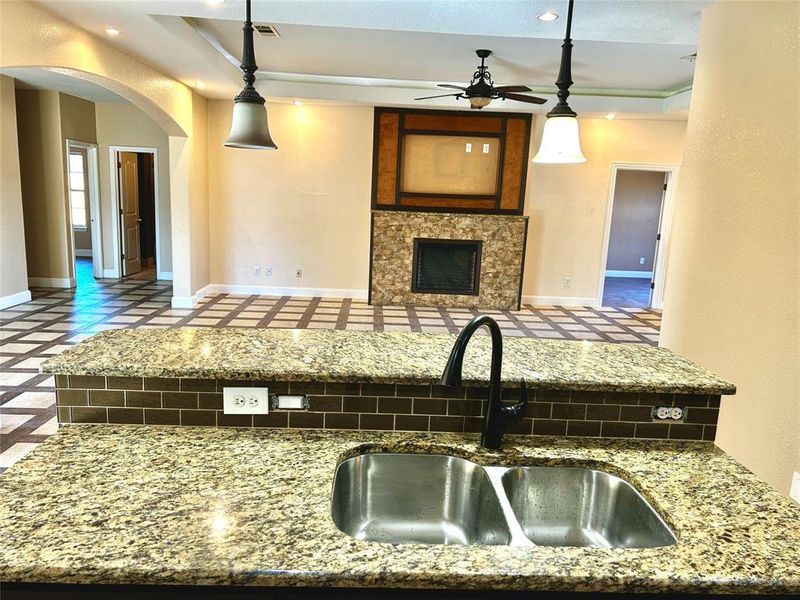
{"type": "Point", "coordinates": [794, 493]}
{"type": "Point", "coordinates": [245, 401]}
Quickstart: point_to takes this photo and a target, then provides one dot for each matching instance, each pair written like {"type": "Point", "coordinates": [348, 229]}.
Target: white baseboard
{"type": "Point", "coordinates": [164, 275]}
{"type": "Point", "coordinates": [110, 274]}
{"type": "Point", "coordinates": [631, 274]}
{"type": "Point", "coordinates": [560, 300]}
{"type": "Point", "coordinates": [266, 290]}
{"type": "Point", "coordinates": [85, 252]}
{"type": "Point", "coordinates": [52, 282]}
{"type": "Point", "coordinates": [14, 299]}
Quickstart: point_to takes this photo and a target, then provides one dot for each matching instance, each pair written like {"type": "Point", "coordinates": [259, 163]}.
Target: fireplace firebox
{"type": "Point", "coordinates": [442, 266]}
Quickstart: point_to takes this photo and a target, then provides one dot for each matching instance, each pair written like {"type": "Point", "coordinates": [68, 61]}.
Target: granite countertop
{"type": "Point", "coordinates": [391, 357]}
{"type": "Point", "coordinates": [169, 505]}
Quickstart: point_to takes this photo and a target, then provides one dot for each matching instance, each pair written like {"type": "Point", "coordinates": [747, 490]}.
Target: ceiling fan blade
{"type": "Point", "coordinates": [513, 88]}
{"type": "Point", "coordinates": [439, 96]}
{"type": "Point", "coordinates": [528, 99]}
{"type": "Point", "coordinates": [452, 87]}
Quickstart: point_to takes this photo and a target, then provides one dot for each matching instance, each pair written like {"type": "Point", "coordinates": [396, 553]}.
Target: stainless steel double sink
{"type": "Point", "coordinates": [433, 499]}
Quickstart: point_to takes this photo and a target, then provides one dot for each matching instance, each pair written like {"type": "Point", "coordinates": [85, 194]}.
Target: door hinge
{"type": "Point", "coordinates": [658, 237]}
{"type": "Point", "coordinates": [119, 166]}
{"type": "Point", "coordinates": [665, 187]}
{"type": "Point", "coordinates": [652, 285]}
{"type": "Point", "coordinates": [123, 256]}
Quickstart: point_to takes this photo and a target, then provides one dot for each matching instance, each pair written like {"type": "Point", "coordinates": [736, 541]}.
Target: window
{"type": "Point", "coordinates": [77, 189]}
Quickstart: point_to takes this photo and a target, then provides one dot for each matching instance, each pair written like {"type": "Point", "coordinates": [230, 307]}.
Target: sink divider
{"type": "Point", "coordinates": [518, 537]}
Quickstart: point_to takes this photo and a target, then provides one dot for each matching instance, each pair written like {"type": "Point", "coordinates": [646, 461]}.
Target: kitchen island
{"type": "Point", "coordinates": [244, 501]}
{"type": "Point", "coordinates": [103, 504]}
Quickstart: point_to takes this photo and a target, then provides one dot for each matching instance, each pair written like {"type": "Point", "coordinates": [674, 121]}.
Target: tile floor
{"type": "Point", "coordinates": [56, 319]}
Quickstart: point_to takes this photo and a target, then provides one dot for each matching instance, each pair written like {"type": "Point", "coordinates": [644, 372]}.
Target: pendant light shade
{"type": "Point", "coordinates": [249, 127]}
{"type": "Point", "coordinates": [561, 143]}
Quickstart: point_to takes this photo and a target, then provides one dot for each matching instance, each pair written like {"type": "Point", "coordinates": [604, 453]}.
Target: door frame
{"type": "Point", "coordinates": [96, 226]}
{"type": "Point", "coordinates": [665, 222]}
{"type": "Point", "coordinates": [116, 270]}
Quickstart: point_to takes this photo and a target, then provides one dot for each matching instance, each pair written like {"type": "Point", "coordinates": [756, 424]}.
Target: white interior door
{"type": "Point", "coordinates": [130, 222]}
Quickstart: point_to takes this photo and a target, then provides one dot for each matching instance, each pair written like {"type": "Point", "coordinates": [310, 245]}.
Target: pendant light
{"type": "Point", "coordinates": [249, 127]}
{"type": "Point", "coordinates": [561, 142]}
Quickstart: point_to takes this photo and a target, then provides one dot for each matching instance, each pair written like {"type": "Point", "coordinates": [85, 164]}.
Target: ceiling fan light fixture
{"type": "Point", "coordinates": [561, 143]}
{"type": "Point", "coordinates": [249, 128]}
{"type": "Point", "coordinates": [479, 101]}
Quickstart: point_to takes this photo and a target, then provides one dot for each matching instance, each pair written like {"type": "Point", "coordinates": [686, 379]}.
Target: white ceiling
{"type": "Point", "coordinates": [389, 51]}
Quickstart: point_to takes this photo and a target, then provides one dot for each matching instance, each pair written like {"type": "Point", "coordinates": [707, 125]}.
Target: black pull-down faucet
{"type": "Point", "coordinates": [497, 417]}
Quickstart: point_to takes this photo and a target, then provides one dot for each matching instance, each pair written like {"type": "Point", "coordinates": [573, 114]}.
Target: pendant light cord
{"type": "Point", "coordinates": [564, 80]}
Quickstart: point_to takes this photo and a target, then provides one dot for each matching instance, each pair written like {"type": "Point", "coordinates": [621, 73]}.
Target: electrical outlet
{"type": "Point", "coordinates": [641, 260]}
{"type": "Point", "coordinates": [268, 271]}
{"type": "Point", "coordinates": [245, 401]}
{"type": "Point", "coordinates": [486, 148]}
{"type": "Point", "coordinates": [256, 270]}
{"type": "Point", "coordinates": [299, 273]}
{"type": "Point", "coordinates": [794, 493]}
{"type": "Point", "coordinates": [468, 147]}
{"type": "Point", "coordinates": [668, 413]}
{"type": "Point", "coordinates": [567, 281]}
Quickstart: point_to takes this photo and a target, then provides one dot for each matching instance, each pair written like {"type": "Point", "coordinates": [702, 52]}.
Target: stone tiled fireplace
{"type": "Point", "coordinates": [448, 192]}
{"type": "Point", "coordinates": [447, 259]}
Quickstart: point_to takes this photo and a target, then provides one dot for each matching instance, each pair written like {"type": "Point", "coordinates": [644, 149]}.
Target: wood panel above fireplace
{"type": "Point", "coordinates": [450, 161]}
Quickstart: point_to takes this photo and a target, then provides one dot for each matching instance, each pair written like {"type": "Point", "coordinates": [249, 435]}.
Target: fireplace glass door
{"type": "Point", "coordinates": [446, 266]}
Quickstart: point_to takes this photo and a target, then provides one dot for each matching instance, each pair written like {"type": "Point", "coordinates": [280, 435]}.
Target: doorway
{"type": "Point", "coordinates": [637, 227]}
{"type": "Point", "coordinates": [84, 211]}
{"type": "Point", "coordinates": [136, 203]}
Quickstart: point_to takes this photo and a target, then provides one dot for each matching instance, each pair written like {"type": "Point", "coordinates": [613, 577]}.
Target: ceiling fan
{"type": "Point", "coordinates": [481, 90]}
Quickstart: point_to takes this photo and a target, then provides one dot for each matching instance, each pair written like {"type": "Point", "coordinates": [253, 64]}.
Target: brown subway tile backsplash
{"type": "Point", "coordinates": [89, 414]}
{"type": "Point", "coordinates": [187, 400]}
{"type": "Point", "coordinates": [130, 416]}
{"type": "Point", "coordinates": [89, 382]}
{"type": "Point", "coordinates": [401, 407]}
{"type": "Point", "coordinates": [124, 383]}
{"type": "Point", "coordinates": [106, 398]}
{"type": "Point", "coordinates": [162, 416]}
{"type": "Point", "coordinates": [143, 399]}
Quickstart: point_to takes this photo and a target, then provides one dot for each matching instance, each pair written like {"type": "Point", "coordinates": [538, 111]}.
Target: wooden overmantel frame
{"type": "Point", "coordinates": [513, 130]}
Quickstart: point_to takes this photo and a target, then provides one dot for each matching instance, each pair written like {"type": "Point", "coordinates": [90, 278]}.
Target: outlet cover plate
{"type": "Point", "coordinates": [245, 401]}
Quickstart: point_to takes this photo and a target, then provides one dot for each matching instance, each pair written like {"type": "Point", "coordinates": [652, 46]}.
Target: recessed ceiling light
{"type": "Point", "coordinates": [548, 16]}
{"type": "Point", "coordinates": [200, 85]}
{"type": "Point", "coordinates": [112, 32]}
{"type": "Point", "coordinates": [610, 116]}
{"type": "Point", "coordinates": [297, 103]}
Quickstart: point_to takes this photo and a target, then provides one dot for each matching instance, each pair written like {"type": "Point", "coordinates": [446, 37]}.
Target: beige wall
{"type": "Point", "coordinates": [305, 205]}
{"type": "Point", "coordinates": [634, 222]}
{"type": "Point", "coordinates": [77, 124]}
{"type": "Point", "coordinates": [734, 264]}
{"type": "Point", "coordinates": [567, 203]}
{"type": "Point", "coordinates": [123, 124]}
{"type": "Point", "coordinates": [33, 37]}
{"type": "Point", "coordinates": [41, 157]}
{"type": "Point", "coordinates": [292, 208]}
{"type": "Point", "coordinates": [13, 269]}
